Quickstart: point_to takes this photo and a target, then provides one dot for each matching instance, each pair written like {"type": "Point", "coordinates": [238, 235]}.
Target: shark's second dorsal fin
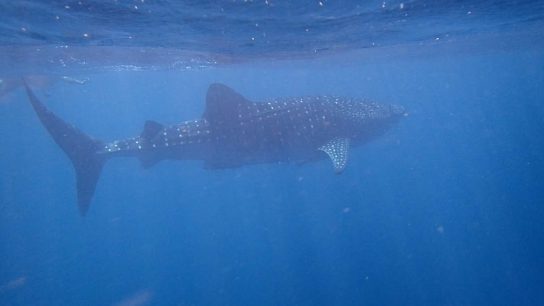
{"type": "Point", "coordinates": [337, 149]}
{"type": "Point", "coordinates": [223, 105]}
{"type": "Point", "coordinates": [151, 129]}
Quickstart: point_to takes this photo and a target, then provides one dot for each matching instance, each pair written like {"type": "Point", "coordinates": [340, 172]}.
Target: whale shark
{"type": "Point", "coordinates": [232, 132]}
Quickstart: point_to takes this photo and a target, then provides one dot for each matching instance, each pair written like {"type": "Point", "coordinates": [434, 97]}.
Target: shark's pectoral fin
{"type": "Point", "coordinates": [337, 149]}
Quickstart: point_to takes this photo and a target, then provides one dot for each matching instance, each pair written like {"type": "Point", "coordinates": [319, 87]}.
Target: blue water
{"type": "Point", "coordinates": [445, 209]}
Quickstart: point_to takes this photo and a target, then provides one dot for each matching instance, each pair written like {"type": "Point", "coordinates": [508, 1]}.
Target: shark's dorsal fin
{"type": "Point", "coordinates": [337, 149]}
{"type": "Point", "coordinates": [151, 129]}
{"type": "Point", "coordinates": [223, 105]}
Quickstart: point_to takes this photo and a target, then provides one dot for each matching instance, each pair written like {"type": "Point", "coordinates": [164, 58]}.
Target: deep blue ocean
{"type": "Point", "coordinates": [446, 208]}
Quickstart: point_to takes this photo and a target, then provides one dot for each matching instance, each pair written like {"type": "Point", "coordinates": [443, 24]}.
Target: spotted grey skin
{"type": "Point", "coordinates": [232, 132]}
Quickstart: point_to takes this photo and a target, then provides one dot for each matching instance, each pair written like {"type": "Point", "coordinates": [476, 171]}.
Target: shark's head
{"type": "Point", "coordinates": [396, 112]}
{"type": "Point", "coordinates": [368, 119]}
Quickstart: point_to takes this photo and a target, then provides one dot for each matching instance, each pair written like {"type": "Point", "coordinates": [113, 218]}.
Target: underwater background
{"type": "Point", "coordinates": [444, 209]}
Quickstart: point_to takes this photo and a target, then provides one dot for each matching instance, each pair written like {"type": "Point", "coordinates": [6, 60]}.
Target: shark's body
{"type": "Point", "coordinates": [232, 132]}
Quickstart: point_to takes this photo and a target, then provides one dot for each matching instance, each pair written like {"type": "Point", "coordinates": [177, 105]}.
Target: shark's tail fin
{"type": "Point", "coordinates": [80, 148]}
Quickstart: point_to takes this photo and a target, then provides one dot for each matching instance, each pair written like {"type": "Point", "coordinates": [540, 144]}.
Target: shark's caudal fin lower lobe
{"type": "Point", "coordinates": [80, 148]}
